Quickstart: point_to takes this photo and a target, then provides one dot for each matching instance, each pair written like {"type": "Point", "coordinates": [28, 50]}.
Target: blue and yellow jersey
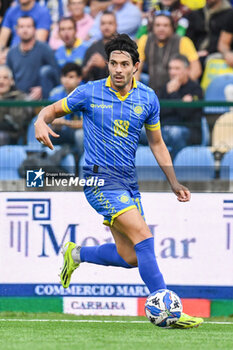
{"type": "Point", "coordinates": [112, 123]}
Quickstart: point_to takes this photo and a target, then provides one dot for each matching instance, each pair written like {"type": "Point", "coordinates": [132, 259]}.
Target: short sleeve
{"type": "Point", "coordinates": [7, 19]}
{"type": "Point", "coordinates": [188, 49]}
{"type": "Point", "coordinates": [141, 47]}
{"type": "Point", "coordinates": [152, 122]}
{"type": "Point", "coordinates": [76, 100]}
{"type": "Point", "coordinates": [44, 20]}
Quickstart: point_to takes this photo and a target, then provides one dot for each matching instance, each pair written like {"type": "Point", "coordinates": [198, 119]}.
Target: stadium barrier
{"type": "Point", "coordinates": [193, 245]}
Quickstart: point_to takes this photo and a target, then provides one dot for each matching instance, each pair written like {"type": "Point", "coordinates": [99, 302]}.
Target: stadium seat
{"type": "Point", "coordinates": [147, 167]}
{"type": "Point", "coordinates": [11, 158]}
{"type": "Point", "coordinates": [226, 167]}
{"type": "Point", "coordinates": [215, 92]}
{"type": "Point", "coordinates": [195, 163]}
{"type": "Point", "coordinates": [222, 134]}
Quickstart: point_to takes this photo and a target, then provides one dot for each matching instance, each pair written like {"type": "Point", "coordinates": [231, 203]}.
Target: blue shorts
{"type": "Point", "coordinates": [111, 204]}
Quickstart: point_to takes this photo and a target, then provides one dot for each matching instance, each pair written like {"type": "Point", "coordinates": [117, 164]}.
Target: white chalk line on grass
{"type": "Point", "coordinates": [93, 321]}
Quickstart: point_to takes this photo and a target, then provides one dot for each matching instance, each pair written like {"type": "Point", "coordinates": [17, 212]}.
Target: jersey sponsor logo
{"type": "Point", "coordinates": [124, 198]}
{"type": "Point", "coordinates": [93, 105]}
{"type": "Point", "coordinates": [121, 127]}
{"type": "Point", "coordinates": [138, 109]}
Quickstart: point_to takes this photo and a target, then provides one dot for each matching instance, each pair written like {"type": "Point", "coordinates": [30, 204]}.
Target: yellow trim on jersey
{"type": "Point", "coordinates": [152, 127]}
{"type": "Point", "coordinates": [107, 223]}
{"type": "Point", "coordinates": [108, 82]}
{"type": "Point", "coordinates": [188, 49]}
{"type": "Point", "coordinates": [77, 43]}
{"type": "Point", "coordinates": [118, 95]}
{"type": "Point", "coordinates": [64, 105]}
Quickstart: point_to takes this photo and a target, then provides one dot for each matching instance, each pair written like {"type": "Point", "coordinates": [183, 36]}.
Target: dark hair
{"type": "Point", "coordinates": [181, 58]}
{"type": "Point", "coordinates": [71, 67]}
{"type": "Point", "coordinates": [122, 42]}
{"type": "Point", "coordinates": [166, 14]}
{"type": "Point", "coordinates": [71, 19]}
{"type": "Point", "coordinates": [26, 16]}
{"type": "Point", "coordinates": [107, 12]}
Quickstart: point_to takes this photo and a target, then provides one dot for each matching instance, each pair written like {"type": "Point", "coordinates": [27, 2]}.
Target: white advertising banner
{"type": "Point", "coordinates": [101, 306]}
{"type": "Point", "coordinates": [193, 241]}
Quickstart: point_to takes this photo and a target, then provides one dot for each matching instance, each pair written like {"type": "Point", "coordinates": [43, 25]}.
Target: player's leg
{"type": "Point", "coordinates": [107, 254]}
{"type": "Point", "coordinates": [132, 225]}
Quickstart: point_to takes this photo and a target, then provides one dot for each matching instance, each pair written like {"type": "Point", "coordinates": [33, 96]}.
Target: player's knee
{"type": "Point", "coordinates": [141, 233]}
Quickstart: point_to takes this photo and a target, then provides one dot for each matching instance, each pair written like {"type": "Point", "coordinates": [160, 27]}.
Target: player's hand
{"type": "Point", "coordinates": [42, 132]}
{"type": "Point", "coordinates": [187, 98]}
{"type": "Point", "coordinates": [35, 93]}
{"type": "Point", "coordinates": [183, 194]}
{"type": "Point", "coordinates": [173, 85]}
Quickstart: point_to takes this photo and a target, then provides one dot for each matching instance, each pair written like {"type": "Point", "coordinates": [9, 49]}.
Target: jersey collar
{"type": "Point", "coordinates": [77, 43]}
{"type": "Point", "coordinates": [121, 98]}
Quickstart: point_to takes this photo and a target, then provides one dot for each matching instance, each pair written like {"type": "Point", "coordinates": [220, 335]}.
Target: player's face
{"type": "Point", "coordinates": [76, 7]}
{"type": "Point", "coordinates": [25, 29]}
{"type": "Point", "coordinates": [119, 2]}
{"type": "Point", "coordinates": [121, 69]}
{"type": "Point", "coordinates": [162, 28]}
{"type": "Point", "coordinates": [70, 81]}
{"type": "Point", "coordinates": [178, 70]}
{"type": "Point", "coordinates": [211, 3]}
{"type": "Point", "coordinates": [5, 81]}
{"type": "Point", "coordinates": [168, 2]}
{"type": "Point", "coordinates": [25, 2]}
{"type": "Point", "coordinates": [67, 32]}
{"type": "Point", "coordinates": [108, 26]}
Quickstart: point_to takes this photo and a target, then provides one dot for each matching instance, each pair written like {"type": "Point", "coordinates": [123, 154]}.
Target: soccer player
{"type": "Point", "coordinates": [114, 111]}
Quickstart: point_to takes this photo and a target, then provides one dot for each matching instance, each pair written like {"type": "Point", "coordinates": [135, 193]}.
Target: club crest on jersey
{"type": "Point", "coordinates": [123, 198]}
{"type": "Point", "coordinates": [138, 109]}
{"type": "Point", "coordinates": [121, 127]}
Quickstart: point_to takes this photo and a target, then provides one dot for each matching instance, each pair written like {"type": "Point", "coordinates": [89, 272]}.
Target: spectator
{"type": "Point", "coordinates": [94, 63]}
{"type": "Point", "coordinates": [225, 44]}
{"type": "Point", "coordinates": [206, 24]}
{"type": "Point", "coordinates": [73, 48]}
{"type": "Point", "coordinates": [128, 18]}
{"type": "Point", "coordinates": [32, 62]}
{"type": "Point", "coordinates": [13, 120]}
{"type": "Point", "coordinates": [39, 13]}
{"type": "Point", "coordinates": [57, 8]}
{"type": "Point", "coordinates": [177, 9]}
{"type": "Point", "coordinates": [158, 47]}
{"type": "Point", "coordinates": [83, 21]}
{"type": "Point", "coordinates": [70, 126]}
{"type": "Point", "coordinates": [180, 127]}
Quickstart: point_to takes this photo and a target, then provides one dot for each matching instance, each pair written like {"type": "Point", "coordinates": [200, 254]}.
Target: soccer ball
{"type": "Point", "coordinates": [163, 307]}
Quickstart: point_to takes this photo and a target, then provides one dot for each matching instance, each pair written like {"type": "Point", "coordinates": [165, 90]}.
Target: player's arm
{"type": "Point", "coordinates": [163, 158]}
{"type": "Point", "coordinates": [42, 34]}
{"type": "Point", "coordinates": [45, 117]}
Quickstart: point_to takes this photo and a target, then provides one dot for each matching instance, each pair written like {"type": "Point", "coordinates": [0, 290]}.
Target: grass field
{"type": "Point", "coordinates": [20, 331]}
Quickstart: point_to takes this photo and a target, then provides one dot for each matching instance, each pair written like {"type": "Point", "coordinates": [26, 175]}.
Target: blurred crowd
{"type": "Point", "coordinates": [47, 48]}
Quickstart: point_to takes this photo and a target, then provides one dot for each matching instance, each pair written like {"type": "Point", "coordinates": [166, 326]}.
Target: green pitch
{"type": "Point", "coordinates": [20, 331]}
